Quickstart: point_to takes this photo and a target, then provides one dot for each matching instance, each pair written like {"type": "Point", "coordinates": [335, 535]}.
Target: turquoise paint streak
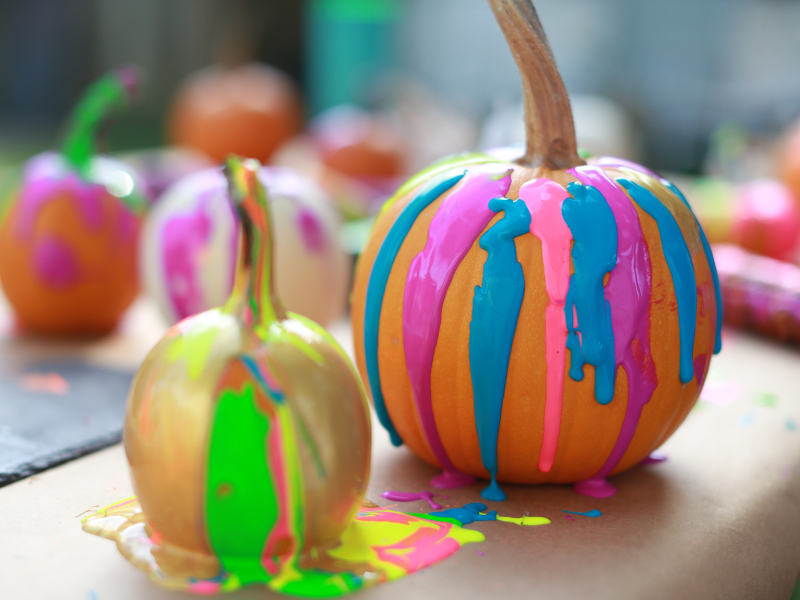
{"type": "Point", "coordinates": [376, 288]}
{"type": "Point", "coordinates": [679, 261]}
{"type": "Point", "coordinates": [495, 310]}
{"type": "Point", "coordinates": [594, 253]}
{"type": "Point", "coordinates": [711, 264]}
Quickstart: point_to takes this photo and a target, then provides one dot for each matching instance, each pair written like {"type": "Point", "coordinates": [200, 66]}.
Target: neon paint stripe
{"type": "Point", "coordinates": [544, 199]}
{"type": "Point", "coordinates": [495, 311]}
{"type": "Point", "coordinates": [590, 336]}
{"type": "Point", "coordinates": [376, 288]}
{"type": "Point", "coordinates": [628, 292]}
{"type": "Point", "coordinates": [679, 261]}
{"type": "Point", "coordinates": [712, 265]}
{"type": "Point", "coordinates": [452, 232]}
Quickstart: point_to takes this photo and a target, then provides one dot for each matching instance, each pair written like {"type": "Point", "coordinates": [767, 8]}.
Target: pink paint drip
{"type": "Point", "coordinates": [544, 199]}
{"type": "Point", "coordinates": [628, 292]}
{"type": "Point", "coordinates": [570, 518]}
{"type": "Point", "coordinates": [55, 263]}
{"type": "Point", "coordinates": [458, 222]}
{"type": "Point", "coordinates": [411, 497]}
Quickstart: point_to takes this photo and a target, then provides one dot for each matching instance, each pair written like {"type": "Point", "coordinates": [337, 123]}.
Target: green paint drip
{"type": "Point", "coordinates": [431, 517]}
{"type": "Point", "coordinates": [238, 472]}
{"type": "Point", "coordinates": [109, 96]}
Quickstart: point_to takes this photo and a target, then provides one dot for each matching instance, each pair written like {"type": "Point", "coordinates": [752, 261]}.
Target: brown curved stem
{"type": "Point", "coordinates": [550, 131]}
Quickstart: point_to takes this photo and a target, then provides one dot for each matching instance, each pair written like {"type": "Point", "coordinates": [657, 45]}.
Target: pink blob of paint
{"type": "Point", "coordinates": [655, 458]}
{"type": "Point", "coordinates": [311, 231]}
{"type": "Point", "coordinates": [570, 518]}
{"type": "Point", "coordinates": [55, 263]}
{"type": "Point", "coordinates": [595, 487]}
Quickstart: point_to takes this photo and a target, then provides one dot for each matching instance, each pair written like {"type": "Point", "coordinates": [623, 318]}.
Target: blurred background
{"type": "Point", "coordinates": [674, 71]}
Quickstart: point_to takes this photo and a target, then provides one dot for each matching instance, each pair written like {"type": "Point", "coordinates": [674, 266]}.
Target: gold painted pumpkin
{"type": "Point", "coordinates": [540, 319]}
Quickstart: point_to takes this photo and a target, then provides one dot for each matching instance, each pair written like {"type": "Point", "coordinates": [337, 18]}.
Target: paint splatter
{"type": "Point", "coordinates": [591, 513]}
{"type": "Point", "coordinates": [790, 424]}
{"type": "Point", "coordinates": [570, 518]}
{"type": "Point", "coordinates": [412, 496]}
{"type": "Point", "coordinates": [475, 511]}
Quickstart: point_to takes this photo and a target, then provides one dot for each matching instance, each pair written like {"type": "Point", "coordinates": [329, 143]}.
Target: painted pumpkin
{"type": "Point", "coordinates": [766, 220]}
{"type": "Point", "coordinates": [538, 320]}
{"type": "Point", "coordinates": [190, 237]}
{"type": "Point", "coordinates": [69, 233]}
{"type": "Point", "coordinates": [249, 110]}
{"type": "Point", "coordinates": [247, 428]}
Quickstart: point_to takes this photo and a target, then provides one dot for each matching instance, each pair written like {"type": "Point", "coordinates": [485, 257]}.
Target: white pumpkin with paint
{"type": "Point", "coordinates": [190, 238]}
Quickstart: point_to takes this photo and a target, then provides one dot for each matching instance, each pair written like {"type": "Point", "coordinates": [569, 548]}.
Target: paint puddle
{"type": "Point", "coordinates": [745, 420]}
{"type": "Point", "coordinates": [379, 545]}
{"type": "Point", "coordinates": [570, 518]}
{"type": "Point", "coordinates": [412, 496]}
{"type": "Point", "coordinates": [766, 399]}
{"type": "Point", "coordinates": [475, 511]}
{"type": "Point", "coordinates": [591, 513]}
{"type": "Point", "coordinates": [719, 394]}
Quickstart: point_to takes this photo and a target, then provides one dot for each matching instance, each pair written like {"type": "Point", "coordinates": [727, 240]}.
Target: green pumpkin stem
{"type": "Point", "coordinates": [550, 131]}
{"type": "Point", "coordinates": [109, 96]}
{"type": "Point", "coordinates": [254, 264]}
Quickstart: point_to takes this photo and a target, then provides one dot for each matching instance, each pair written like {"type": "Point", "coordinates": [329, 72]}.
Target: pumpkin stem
{"type": "Point", "coordinates": [109, 96]}
{"type": "Point", "coordinates": [254, 262]}
{"type": "Point", "coordinates": [550, 131]}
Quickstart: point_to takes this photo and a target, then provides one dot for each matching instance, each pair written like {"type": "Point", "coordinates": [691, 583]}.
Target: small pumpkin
{"type": "Point", "coordinates": [247, 428]}
{"type": "Point", "coordinates": [69, 232]}
{"type": "Point", "coordinates": [190, 239]}
{"type": "Point", "coordinates": [540, 319]}
{"type": "Point", "coordinates": [251, 109]}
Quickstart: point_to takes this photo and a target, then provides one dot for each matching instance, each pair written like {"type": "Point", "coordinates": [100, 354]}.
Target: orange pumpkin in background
{"type": "Point", "coordinates": [69, 232]}
{"type": "Point", "coordinates": [790, 163]}
{"type": "Point", "coordinates": [249, 110]}
{"type": "Point", "coordinates": [535, 320]}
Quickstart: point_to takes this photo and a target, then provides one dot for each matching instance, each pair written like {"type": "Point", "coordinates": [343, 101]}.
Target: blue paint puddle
{"type": "Point", "coordinates": [469, 513]}
{"type": "Point", "coordinates": [591, 513]}
{"type": "Point", "coordinates": [745, 420]}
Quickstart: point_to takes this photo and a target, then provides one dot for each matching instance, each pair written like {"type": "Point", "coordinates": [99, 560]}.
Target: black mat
{"type": "Point", "coordinates": [52, 412]}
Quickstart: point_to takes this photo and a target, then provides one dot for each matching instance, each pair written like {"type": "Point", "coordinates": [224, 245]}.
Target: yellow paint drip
{"type": "Point", "coordinates": [525, 520]}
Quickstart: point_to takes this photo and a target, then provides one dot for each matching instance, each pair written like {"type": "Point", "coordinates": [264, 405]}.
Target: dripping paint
{"type": "Point", "coordinates": [495, 310]}
{"type": "Point", "coordinates": [461, 217]}
{"type": "Point", "coordinates": [544, 199]}
{"type": "Point", "coordinates": [376, 288]}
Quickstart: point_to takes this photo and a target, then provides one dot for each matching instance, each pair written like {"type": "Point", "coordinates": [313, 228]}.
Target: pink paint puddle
{"type": "Point", "coordinates": [719, 393]}
{"type": "Point", "coordinates": [412, 496]}
{"type": "Point", "coordinates": [595, 487]}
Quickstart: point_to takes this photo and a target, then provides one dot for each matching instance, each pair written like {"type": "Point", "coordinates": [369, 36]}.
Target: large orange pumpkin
{"type": "Point", "coordinates": [69, 232]}
{"type": "Point", "coordinates": [540, 319]}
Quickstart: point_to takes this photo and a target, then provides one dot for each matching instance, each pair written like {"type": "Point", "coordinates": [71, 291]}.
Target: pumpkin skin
{"type": "Point", "coordinates": [190, 237]}
{"type": "Point", "coordinates": [589, 431]}
{"type": "Point", "coordinates": [248, 110]}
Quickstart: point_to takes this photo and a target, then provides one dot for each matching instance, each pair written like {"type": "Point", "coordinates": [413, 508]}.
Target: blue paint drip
{"type": "Point", "coordinates": [469, 513]}
{"type": "Point", "coordinates": [711, 264]}
{"type": "Point", "coordinates": [679, 261]}
{"type": "Point", "coordinates": [495, 310]}
{"type": "Point", "coordinates": [594, 253]}
{"type": "Point", "coordinates": [376, 288]}
{"type": "Point", "coordinates": [591, 513]}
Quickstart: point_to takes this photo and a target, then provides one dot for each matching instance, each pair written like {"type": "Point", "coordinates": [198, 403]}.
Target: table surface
{"type": "Point", "coordinates": [719, 519]}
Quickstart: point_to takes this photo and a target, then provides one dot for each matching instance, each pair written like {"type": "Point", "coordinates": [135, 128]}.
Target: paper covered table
{"type": "Point", "coordinates": [720, 518]}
